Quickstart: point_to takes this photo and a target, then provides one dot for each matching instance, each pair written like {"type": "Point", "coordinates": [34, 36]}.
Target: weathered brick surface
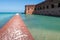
{"type": "Point", "coordinates": [15, 29]}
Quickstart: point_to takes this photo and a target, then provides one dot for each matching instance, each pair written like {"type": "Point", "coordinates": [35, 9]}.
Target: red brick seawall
{"type": "Point", "coordinates": [15, 29]}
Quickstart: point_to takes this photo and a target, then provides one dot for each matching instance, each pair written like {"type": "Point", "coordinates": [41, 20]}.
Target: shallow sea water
{"type": "Point", "coordinates": [41, 27]}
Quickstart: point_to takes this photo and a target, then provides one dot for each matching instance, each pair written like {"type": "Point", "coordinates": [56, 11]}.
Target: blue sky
{"type": "Point", "coordinates": [16, 5]}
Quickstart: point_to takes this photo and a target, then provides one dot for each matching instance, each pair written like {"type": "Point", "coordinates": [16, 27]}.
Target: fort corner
{"type": "Point", "coordinates": [29, 9]}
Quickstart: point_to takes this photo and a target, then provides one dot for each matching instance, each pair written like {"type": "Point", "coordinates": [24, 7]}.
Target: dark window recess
{"type": "Point", "coordinates": [43, 7]}
{"type": "Point", "coordinates": [58, 4]}
{"type": "Point", "coordinates": [52, 6]}
{"type": "Point", "coordinates": [28, 8]}
{"type": "Point", "coordinates": [47, 7]}
{"type": "Point", "coordinates": [35, 8]}
{"type": "Point", "coordinates": [40, 8]}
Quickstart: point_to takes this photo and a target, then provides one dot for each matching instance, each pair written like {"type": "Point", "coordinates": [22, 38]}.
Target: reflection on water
{"type": "Point", "coordinates": [41, 27]}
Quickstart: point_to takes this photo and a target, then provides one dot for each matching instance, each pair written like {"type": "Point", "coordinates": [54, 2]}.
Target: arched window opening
{"type": "Point", "coordinates": [43, 7]}
{"type": "Point", "coordinates": [47, 7]}
{"type": "Point", "coordinates": [52, 5]}
{"type": "Point", "coordinates": [58, 4]}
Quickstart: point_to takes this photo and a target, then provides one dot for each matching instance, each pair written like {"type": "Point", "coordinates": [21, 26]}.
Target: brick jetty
{"type": "Point", "coordinates": [15, 29]}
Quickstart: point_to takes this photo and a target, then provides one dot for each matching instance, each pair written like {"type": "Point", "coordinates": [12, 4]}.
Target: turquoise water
{"type": "Point", "coordinates": [41, 27]}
